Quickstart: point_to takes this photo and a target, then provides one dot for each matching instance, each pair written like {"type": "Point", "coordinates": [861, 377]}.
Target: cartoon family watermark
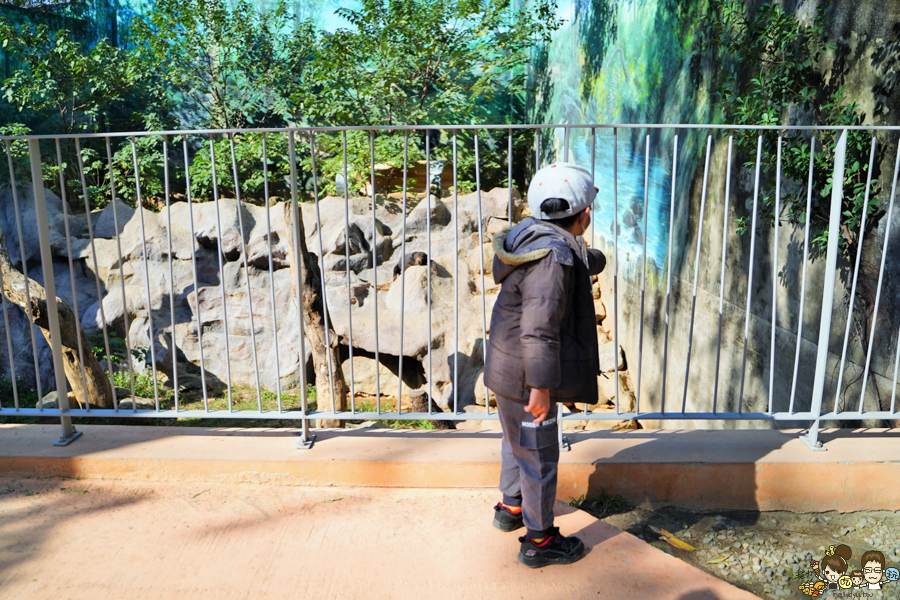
{"type": "Point", "coordinates": [834, 576]}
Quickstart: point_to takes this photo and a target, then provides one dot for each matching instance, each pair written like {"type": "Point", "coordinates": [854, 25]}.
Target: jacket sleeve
{"type": "Point", "coordinates": [543, 292]}
{"type": "Point", "coordinates": [596, 261]}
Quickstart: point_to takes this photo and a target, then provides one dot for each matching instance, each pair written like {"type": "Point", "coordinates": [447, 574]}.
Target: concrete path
{"type": "Point", "coordinates": [65, 539]}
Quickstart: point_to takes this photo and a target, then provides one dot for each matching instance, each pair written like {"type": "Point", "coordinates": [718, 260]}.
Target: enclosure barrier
{"type": "Point", "coordinates": [550, 142]}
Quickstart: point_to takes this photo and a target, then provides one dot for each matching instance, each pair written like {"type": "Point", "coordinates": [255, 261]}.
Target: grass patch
{"type": "Point", "coordinates": [28, 397]}
{"type": "Point", "coordinates": [602, 507]}
{"type": "Point", "coordinates": [243, 398]}
{"type": "Point", "coordinates": [391, 406]}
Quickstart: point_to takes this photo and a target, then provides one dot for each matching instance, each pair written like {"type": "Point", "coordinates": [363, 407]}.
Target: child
{"type": "Point", "coordinates": [542, 350]}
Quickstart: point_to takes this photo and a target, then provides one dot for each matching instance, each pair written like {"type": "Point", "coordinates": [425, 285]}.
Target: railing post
{"type": "Point", "coordinates": [40, 204]}
{"type": "Point", "coordinates": [563, 440]}
{"type": "Point", "coordinates": [306, 437]}
{"type": "Point", "coordinates": [811, 438]}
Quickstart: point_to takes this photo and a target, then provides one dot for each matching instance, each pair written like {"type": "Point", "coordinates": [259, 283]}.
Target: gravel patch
{"type": "Point", "coordinates": [768, 553]}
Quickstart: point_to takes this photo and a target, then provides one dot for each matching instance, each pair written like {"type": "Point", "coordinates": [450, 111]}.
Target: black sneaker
{"type": "Point", "coordinates": [555, 550]}
{"type": "Point", "coordinates": [505, 520]}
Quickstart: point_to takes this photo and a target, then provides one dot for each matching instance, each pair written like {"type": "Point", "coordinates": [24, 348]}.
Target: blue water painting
{"type": "Point", "coordinates": [630, 171]}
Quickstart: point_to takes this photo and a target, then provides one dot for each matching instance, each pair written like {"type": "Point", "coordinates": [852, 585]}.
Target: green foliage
{"type": "Point", "coordinates": [330, 158]}
{"type": "Point", "coordinates": [229, 66]}
{"type": "Point", "coordinates": [72, 87]}
{"type": "Point", "coordinates": [143, 385]}
{"type": "Point", "coordinates": [248, 154]}
{"type": "Point", "coordinates": [28, 397]}
{"type": "Point", "coordinates": [422, 61]}
{"type": "Point", "coordinates": [786, 82]}
{"type": "Point", "coordinates": [117, 349]}
{"type": "Point", "coordinates": [222, 66]}
{"type": "Point", "coordinates": [18, 150]}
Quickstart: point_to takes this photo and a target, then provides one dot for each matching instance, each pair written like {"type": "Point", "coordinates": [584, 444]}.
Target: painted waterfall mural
{"type": "Point", "coordinates": [626, 62]}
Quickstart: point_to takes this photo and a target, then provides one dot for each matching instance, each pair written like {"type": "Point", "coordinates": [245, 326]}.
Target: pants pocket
{"type": "Point", "coordinates": [534, 436]}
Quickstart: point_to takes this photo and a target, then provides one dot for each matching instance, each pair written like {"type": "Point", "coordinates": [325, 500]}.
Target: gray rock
{"type": "Point", "coordinates": [417, 221]}
{"type": "Point", "coordinates": [28, 222]}
{"type": "Point", "coordinates": [609, 358]}
{"type": "Point", "coordinates": [50, 400]}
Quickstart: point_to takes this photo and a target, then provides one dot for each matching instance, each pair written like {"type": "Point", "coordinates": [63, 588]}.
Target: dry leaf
{"type": "Point", "coordinates": [672, 540]}
{"type": "Point", "coordinates": [718, 560]}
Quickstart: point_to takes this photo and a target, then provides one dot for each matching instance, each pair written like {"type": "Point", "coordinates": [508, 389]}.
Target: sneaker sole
{"type": "Point", "coordinates": [506, 528]}
{"type": "Point", "coordinates": [548, 562]}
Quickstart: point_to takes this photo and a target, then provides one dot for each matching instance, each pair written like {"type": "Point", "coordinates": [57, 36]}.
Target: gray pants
{"type": "Point", "coordinates": [529, 461]}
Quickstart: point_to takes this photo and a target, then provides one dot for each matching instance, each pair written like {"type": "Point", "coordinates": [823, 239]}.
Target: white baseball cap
{"type": "Point", "coordinates": [561, 180]}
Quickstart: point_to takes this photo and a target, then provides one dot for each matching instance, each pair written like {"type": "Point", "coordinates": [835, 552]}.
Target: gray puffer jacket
{"type": "Point", "coordinates": [543, 327]}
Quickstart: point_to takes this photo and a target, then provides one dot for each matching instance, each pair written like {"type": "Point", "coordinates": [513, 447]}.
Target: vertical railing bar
{"type": "Point", "coordinates": [887, 237]}
{"type": "Point", "coordinates": [15, 196]}
{"type": "Point", "coordinates": [265, 157]}
{"type": "Point", "coordinates": [750, 272]}
{"type": "Point", "coordinates": [862, 233]}
{"type": "Point", "coordinates": [637, 402]}
{"type": "Point", "coordinates": [537, 150]}
{"type": "Point", "coordinates": [187, 193]}
{"type": "Point", "coordinates": [221, 257]}
{"type": "Point", "coordinates": [722, 273]}
{"type": "Point", "coordinates": [616, 261]}
{"type": "Point", "coordinates": [669, 258]}
{"type": "Point", "coordinates": [240, 219]}
{"type": "Point", "coordinates": [349, 287]}
{"type": "Point", "coordinates": [327, 319]}
{"type": "Point", "coordinates": [403, 271]}
{"type": "Point", "coordinates": [171, 269]}
{"type": "Point", "coordinates": [456, 268]}
{"type": "Point", "coordinates": [565, 143]}
{"type": "Point", "coordinates": [593, 178]}
{"type": "Point", "coordinates": [484, 338]}
{"type": "Point", "coordinates": [509, 174]}
{"type": "Point", "coordinates": [811, 438]}
{"type": "Point", "coordinates": [140, 211]}
{"type": "Point", "coordinates": [775, 277]}
{"type": "Point", "coordinates": [65, 204]}
{"type": "Point", "coordinates": [584, 408]}
{"type": "Point", "coordinates": [121, 263]}
{"type": "Point", "coordinates": [54, 337]}
{"type": "Point", "coordinates": [9, 347]}
{"type": "Point", "coordinates": [428, 260]}
{"type": "Point", "coordinates": [296, 215]}
{"type": "Point", "coordinates": [90, 226]}
{"type": "Point", "coordinates": [560, 439]}
{"type": "Point", "coordinates": [375, 273]}
{"type": "Point", "coordinates": [687, 368]}
{"type": "Point", "coordinates": [896, 368]}
{"type": "Point", "coordinates": [809, 192]}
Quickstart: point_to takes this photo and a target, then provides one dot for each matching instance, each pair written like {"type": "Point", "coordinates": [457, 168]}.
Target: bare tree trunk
{"type": "Point", "coordinates": [314, 323]}
{"type": "Point", "coordinates": [98, 391]}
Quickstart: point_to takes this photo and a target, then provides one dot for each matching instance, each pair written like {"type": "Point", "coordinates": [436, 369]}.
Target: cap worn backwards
{"type": "Point", "coordinates": [561, 180]}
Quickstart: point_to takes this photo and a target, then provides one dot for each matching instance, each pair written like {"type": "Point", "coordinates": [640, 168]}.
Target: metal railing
{"type": "Point", "coordinates": [550, 142]}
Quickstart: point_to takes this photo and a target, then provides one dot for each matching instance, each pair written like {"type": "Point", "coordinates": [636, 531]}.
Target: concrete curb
{"type": "Point", "coordinates": [699, 469]}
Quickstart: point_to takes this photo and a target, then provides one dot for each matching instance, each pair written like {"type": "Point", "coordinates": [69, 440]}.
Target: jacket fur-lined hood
{"type": "Point", "coordinates": [511, 258]}
{"type": "Point", "coordinates": [526, 242]}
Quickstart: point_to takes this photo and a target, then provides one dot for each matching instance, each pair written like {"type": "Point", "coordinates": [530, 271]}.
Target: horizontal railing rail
{"type": "Point", "coordinates": [461, 127]}
{"type": "Point", "coordinates": [681, 244]}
